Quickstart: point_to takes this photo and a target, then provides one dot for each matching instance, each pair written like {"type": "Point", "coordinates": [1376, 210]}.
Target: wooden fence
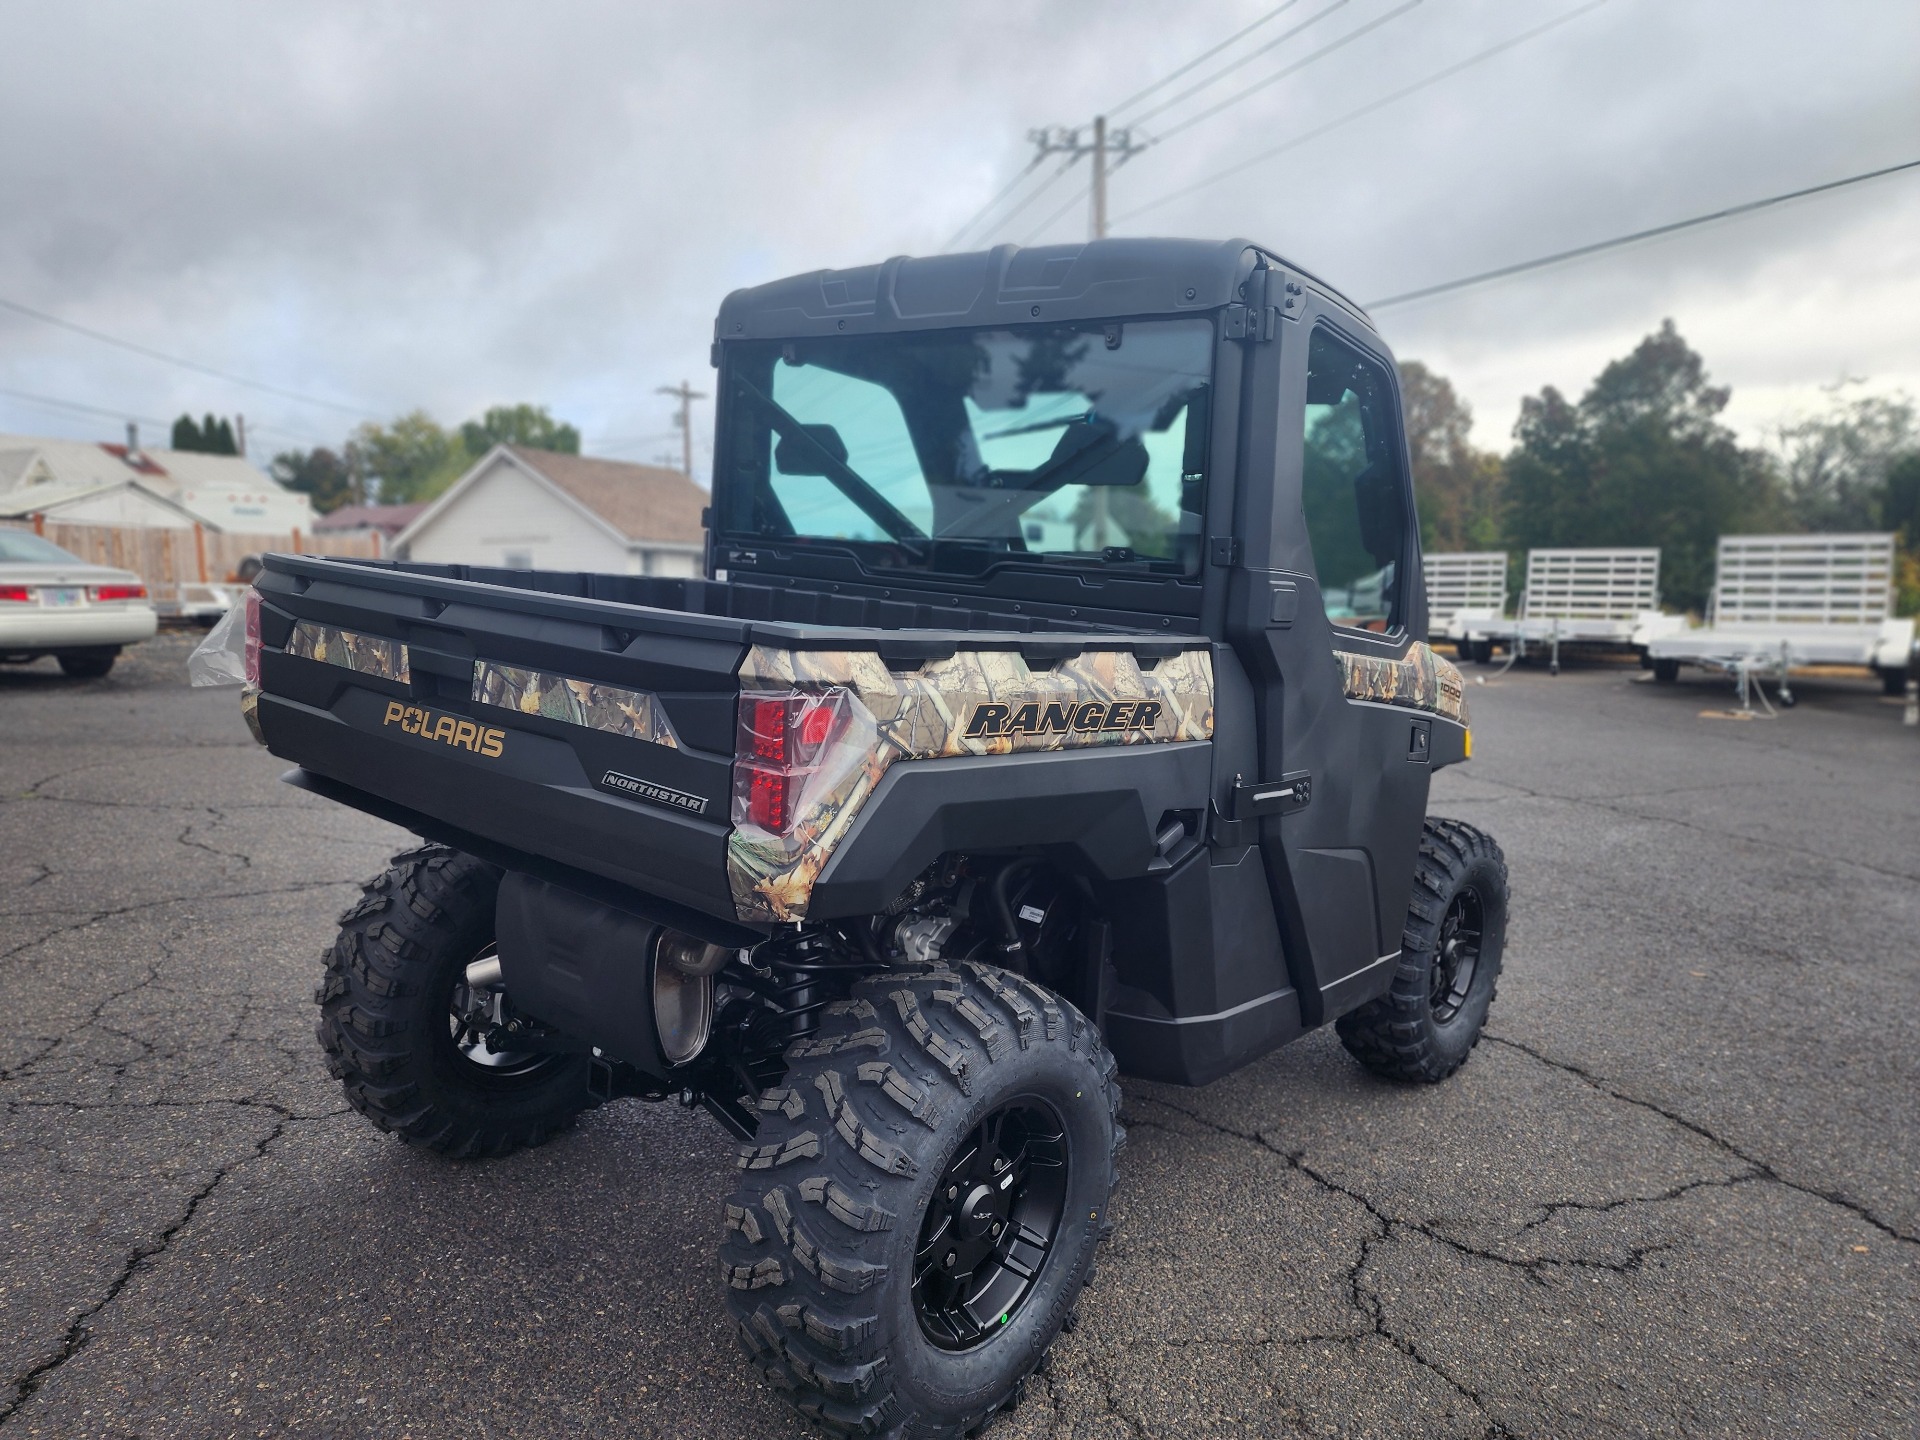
{"type": "Point", "coordinates": [167, 558]}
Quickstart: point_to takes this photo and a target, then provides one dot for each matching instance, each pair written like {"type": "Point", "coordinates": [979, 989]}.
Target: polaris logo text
{"type": "Point", "coordinates": [447, 729]}
{"type": "Point", "coordinates": [994, 719]}
{"type": "Point", "coordinates": [658, 794]}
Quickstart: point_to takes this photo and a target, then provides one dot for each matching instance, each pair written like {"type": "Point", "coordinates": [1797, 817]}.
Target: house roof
{"type": "Point", "coordinates": [54, 500]}
{"type": "Point", "coordinates": [74, 463]}
{"type": "Point", "coordinates": [642, 502]}
{"type": "Point", "coordinates": [390, 520]}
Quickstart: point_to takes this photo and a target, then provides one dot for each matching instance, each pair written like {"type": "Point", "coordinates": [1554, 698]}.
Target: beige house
{"type": "Point", "coordinates": [537, 510]}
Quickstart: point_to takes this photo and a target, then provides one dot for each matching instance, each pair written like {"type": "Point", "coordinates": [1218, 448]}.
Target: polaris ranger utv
{"type": "Point", "coordinates": [1051, 707]}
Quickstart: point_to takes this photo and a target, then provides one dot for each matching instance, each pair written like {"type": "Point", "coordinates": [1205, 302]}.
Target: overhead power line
{"type": "Point", "coordinates": [77, 407]}
{"type": "Point", "coordinates": [194, 365]}
{"type": "Point", "coordinates": [81, 409]}
{"type": "Point", "coordinates": [1072, 200]}
{"type": "Point", "coordinates": [1325, 50]}
{"type": "Point", "coordinates": [1579, 251]}
{"type": "Point", "coordinates": [993, 204]}
{"type": "Point", "coordinates": [1041, 189]}
{"type": "Point", "coordinates": [1202, 58]}
{"type": "Point", "coordinates": [1361, 112]}
{"type": "Point", "coordinates": [1071, 146]}
{"type": "Point", "coordinates": [1247, 59]}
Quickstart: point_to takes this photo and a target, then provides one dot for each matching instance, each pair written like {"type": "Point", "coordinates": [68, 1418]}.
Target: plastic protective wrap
{"type": "Point", "coordinates": [972, 703]}
{"type": "Point", "coordinates": [220, 659]}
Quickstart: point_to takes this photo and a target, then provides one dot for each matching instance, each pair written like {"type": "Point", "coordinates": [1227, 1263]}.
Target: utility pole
{"type": "Point", "coordinates": [1116, 143]}
{"type": "Point", "coordinates": [1108, 148]}
{"type": "Point", "coordinates": [686, 395]}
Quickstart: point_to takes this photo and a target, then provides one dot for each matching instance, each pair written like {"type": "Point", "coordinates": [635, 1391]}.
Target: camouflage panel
{"type": "Point", "coordinates": [1420, 681]}
{"type": "Point", "coordinates": [250, 711]}
{"type": "Point", "coordinates": [923, 715]}
{"type": "Point", "coordinates": [349, 649]}
{"type": "Point", "coordinates": [633, 713]}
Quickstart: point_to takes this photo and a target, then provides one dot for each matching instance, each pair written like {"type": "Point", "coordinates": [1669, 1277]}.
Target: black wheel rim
{"type": "Point", "coordinates": [1457, 956]}
{"type": "Point", "coordinates": [475, 1034]}
{"type": "Point", "coordinates": [994, 1220]}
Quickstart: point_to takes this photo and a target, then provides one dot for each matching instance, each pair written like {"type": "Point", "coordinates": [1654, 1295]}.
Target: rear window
{"type": "Point", "coordinates": [25, 547]}
{"type": "Point", "coordinates": [1075, 445]}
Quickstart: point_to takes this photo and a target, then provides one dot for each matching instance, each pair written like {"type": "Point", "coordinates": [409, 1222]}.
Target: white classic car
{"type": "Point", "coordinates": [53, 603]}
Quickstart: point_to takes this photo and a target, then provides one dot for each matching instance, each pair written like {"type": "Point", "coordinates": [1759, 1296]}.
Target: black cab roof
{"type": "Point", "coordinates": [1007, 285]}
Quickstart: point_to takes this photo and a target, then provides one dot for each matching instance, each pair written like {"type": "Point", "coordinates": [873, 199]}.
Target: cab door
{"type": "Point", "coordinates": [1344, 777]}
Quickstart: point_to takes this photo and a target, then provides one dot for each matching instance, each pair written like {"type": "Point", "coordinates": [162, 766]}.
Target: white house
{"type": "Point", "coordinates": [74, 480]}
{"type": "Point", "coordinates": [537, 510]}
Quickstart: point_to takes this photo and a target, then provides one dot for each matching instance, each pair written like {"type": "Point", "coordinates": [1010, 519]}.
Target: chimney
{"type": "Point", "coordinates": [240, 435]}
{"type": "Point", "coordinates": [133, 440]}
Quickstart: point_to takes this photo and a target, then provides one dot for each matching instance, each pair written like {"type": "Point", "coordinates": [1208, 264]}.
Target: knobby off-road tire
{"type": "Point", "coordinates": [887, 1110]}
{"type": "Point", "coordinates": [385, 1005]}
{"type": "Point", "coordinates": [1427, 1024]}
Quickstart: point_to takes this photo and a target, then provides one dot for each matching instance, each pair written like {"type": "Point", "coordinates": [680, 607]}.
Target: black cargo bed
{"type": "Point", "coordinates": [550, 792]}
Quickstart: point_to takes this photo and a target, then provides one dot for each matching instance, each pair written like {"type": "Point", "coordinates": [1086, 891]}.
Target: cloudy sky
{"type": "Point", "coordinates": [452, 205]}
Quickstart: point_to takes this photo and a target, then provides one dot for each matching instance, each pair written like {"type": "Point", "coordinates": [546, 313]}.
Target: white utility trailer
{"type": "Point", "coordinates": [1781, 601]}
{"type": "Point", "coordinates": [1578, 596]}
{"type": "Point", "coordinates": [1463, 587]}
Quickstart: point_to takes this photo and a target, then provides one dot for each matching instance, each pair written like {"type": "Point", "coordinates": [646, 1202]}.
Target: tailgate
{"type": "Point", "coordinates": [596, 734]}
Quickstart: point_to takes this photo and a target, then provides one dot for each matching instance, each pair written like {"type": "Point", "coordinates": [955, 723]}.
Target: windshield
{"type": "Point", "coordinates": [23, 546]}
{"type": "Point", "coordinates": [959, 449]}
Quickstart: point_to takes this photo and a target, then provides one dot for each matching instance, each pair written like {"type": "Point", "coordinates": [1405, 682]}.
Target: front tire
{"type": "Point", "coordinates": [1427, 1024]}
{"type": "Point", "coordinates": [388, 1025]}
{"type": "Point", "coordinates": [880, 1273]}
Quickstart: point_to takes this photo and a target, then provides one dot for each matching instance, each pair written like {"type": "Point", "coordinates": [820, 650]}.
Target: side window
{"type": "Point", "coordinates": [1351, 486]}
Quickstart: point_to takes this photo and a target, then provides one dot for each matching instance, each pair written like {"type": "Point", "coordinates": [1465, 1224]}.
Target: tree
{"type": "Point", "coordinates": [214, 437]}
{"type": "Point", "coordinates": [1642, 459]}
{"type": "Point", "coordinates": [412, 458]}
{"type": "Point", "coordinates": [1457, 488]}
{"type": "Point", "coordinates": [528, 425]}
{"type": "Point", "coordinates": [1836, 467]}
{"type": "Point", "coordinates": [1900, 511]}
{"type": "Point", "coordinates": [320, 474]}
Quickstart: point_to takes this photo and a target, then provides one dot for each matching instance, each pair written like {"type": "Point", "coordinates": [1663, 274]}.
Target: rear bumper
{"type": "Point", "coordinates": [532, 795]}
{"type": "Point", "coordinates": [45, 631]}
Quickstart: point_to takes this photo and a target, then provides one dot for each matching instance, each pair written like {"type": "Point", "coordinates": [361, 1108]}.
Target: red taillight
{"type": "Point", "coordinates": [767, 792]}
{"type": "Point", "coordinates": [119, 592]}
{"type": "Point", "coordinates": [782, 739]}
{"type": "Point", "coordinates": [252, 657]}
{"type": "Point", "coordinates": [17, 594]}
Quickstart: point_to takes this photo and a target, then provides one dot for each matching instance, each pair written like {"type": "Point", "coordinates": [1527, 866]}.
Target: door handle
{"type": "Point", "coordinates": [1255, 798]}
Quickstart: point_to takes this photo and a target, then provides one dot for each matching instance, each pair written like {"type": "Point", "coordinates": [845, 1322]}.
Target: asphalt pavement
{"type": "Point", "coordinates": [1673, 1192]}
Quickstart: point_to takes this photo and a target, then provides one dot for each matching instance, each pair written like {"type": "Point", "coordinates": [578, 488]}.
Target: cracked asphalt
{"type": "Point", "coordinates": [1674, 1192]}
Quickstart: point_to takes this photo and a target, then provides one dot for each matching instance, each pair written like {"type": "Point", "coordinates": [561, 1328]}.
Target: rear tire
{"type": "Point", "coordinates": [386, 1006]}
{"type": "Point", "coordinates": [879, 1274]}
{"type": "Point", "coordinates": [1894, 683]}
{"type": "Point", "coordinates": [1666, 671]}
{"type": "Point", "coordinates": [87, 664]}
{"type": "Point", "coordinates": [1427, 1024]}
